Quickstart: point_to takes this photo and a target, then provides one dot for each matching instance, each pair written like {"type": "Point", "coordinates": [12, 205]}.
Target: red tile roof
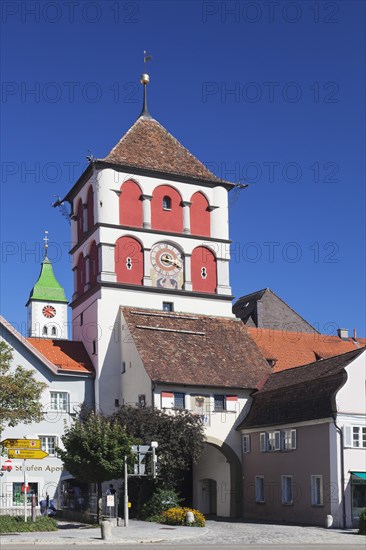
{"type": "Point", "coordinates": [198, 350]}
{"type": "Point", "coordinates": [148, 145]}
{"type": "Point", "coordinates": [66, 355]}
{"type": "Point", "coordinates": [292, 349]}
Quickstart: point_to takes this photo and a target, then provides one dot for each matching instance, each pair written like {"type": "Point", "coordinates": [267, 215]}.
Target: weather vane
{"type": "Point", "coordinates": [147, 58]}
{"type": "Point", "coordinates": [46, 239]}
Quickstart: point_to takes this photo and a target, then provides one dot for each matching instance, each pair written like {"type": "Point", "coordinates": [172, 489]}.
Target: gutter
{"type": "Point", "coordinates": [341, 439]}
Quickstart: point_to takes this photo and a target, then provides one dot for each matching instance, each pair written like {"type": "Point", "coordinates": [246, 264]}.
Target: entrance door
{"type": "Point", "coordinates": [209, 490]}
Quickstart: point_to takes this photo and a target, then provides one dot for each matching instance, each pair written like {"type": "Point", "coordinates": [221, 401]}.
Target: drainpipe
{"type": "Point", "coordinates": [339, 430]}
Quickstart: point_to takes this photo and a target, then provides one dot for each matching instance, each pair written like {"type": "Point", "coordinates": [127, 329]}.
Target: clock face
{"type": "Point", "coordinates": [49, 312]}
{"type": "Point", "coordinates": [167, 263]}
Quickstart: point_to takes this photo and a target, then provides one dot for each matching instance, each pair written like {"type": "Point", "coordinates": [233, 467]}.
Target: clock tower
{"type": "Point", "coordinates": [149, 229]}
{"type": "Point", "coordinates": [47, 304]}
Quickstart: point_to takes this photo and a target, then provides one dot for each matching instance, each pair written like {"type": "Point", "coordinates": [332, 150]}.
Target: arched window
{"type": "Point", "coordinates": [203, 270]}
{"type": "Point", "coordinates": [79, 220]}
{"type": "Point", "coordinates": [200, 215]}
{"type": "Point", "coordinates": [80, 275]}
{"type": "Point", "coordinates": [167, 203]}
{"type": "Point", "coordinates": [166, 209]}
{"type": "Point", "coordinates": [130, 205]}
{"type": "Point", "coordinates": [93, 264]}
{"type": "Point", "coordinates": [129, 261]}
{"type": "Point", "coordinates": [90, 208]}
{"type": "Point", "coordinates": [54, 331]}
{"type": "Point", "coordinates": [45, 331]}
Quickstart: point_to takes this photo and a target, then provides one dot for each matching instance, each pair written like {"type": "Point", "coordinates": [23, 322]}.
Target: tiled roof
{"type": "Point", "coordinates": [291, 349]}
{"type": "Point", "coordinates": [66, 355]}
{"type": "Point", "coordinates": [299, 394]}
{"type": "Point", "coordinates": [195, 349]}
{"type": "Point", "coordinates": [148, 145]}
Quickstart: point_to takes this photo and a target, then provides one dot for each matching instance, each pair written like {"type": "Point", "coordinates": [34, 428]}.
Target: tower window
{"type": "Point", "coordinates": [53, 331]}
{"type": "Point", "coordinates": [128, 263]}
{"type": "Point", "coordinates": [203, 272]}
{"type": "Point", "coordinates": [167, 203]}
{"type": "Point", "coordinates": [94, 352]}
{"type": "Point", "coordinates": [168, 306]}
{"type": "Point", "coordinates": [44, 331]}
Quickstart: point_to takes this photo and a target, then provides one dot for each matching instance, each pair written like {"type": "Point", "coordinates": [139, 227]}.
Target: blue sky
{"type": "Point", "coordinates": [267, 93]}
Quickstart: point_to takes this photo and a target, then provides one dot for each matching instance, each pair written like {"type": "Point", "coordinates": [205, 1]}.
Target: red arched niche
{"type": "Point", "coordinates": [166, 219]}
{"type": "Point", "coordinates": [90, 208]}
{"type": "Point", "coordinates": [93, 264]}
{"type": "Point", "coordinates": [203, 270]}
{"type": "Point", "coordinates": [200, 215]}
{"type": "Point", "coordinates": [130, 205]}
{"type": "Point", "coordinates": [129, 261]}
{"type": "Point", "coordinates": [79, 220]}
{"type": "Point", "coordinates": [80, 275]}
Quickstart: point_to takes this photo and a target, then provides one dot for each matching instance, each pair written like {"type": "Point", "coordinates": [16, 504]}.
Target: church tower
{"type": "Point", "coordinates": [149, 229]}
{"type": "Point", "coordinates": [47, 304]}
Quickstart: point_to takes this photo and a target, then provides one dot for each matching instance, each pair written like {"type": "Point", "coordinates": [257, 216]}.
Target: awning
{"type": "Point", "coordinates": [361, 475]}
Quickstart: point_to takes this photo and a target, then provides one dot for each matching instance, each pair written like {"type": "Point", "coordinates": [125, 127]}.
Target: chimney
{"type": "Point", "coordinates": [343, 333]}
{"type": "Point", "coordinates": [354, 334]}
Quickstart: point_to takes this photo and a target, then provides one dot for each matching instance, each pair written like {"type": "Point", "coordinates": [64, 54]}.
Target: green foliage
{"type": "Point", "coordinates": [95, 447]}
{"type": "Point", "coordinates": [20, 392]}
{"type": "Point", "coordinates": [16, 524]}
{"type": "Point", "coordinates": [177, 516]}
{"type": "Point", "coordinates": [161, 500]}
{"type": "Point", "coordinates": [362, 524]}
{"type": "Point", "coordinates": [180, 437]}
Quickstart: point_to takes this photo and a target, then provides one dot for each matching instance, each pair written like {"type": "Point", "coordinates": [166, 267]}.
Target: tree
{"type": "Point", "coordinates": [95, 447]}
{"type": "Point", "coordinates": [180, 438]}
{"type": "Point", "coordinates": [20, 392]}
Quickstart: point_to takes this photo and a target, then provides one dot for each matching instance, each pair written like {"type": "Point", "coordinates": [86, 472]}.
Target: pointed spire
{"type": "Point", "coordinates": [144, 79]}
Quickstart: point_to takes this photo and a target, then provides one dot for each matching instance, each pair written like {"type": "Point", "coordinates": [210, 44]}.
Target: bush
{"type": "Point", "coordinates": [16, 524]}
{"type": "Point", "coordinates": [362, 524]}
{"type": "Point", "coordinates": [177, 516]}
{"type": "Point", "coordinates": [161, 500]}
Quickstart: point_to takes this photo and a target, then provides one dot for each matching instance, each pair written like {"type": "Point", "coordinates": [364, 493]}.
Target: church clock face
{"type": "Point", "coordinates": [167, 266]}
{"type": "Point", "coordinates": [49, 312]}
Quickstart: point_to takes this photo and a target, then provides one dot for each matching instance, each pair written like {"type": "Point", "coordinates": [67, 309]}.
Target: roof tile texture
{"type": "Point", "coordinates": [67, 355]}
{"type": "Point", "coordinates": [196, 349]}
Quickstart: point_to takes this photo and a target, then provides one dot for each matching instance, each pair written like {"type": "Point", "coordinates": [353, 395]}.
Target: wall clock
{"type": "Point", "coordinates": [167, 263]}
{"type": "Point", "coordinates": [49, 311]}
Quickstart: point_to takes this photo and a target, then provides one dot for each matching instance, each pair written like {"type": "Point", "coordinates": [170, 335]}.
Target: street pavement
{"type": "Point", "coordinates": [216, 533]}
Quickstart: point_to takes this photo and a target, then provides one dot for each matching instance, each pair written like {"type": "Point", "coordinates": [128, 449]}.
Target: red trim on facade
{"type": "Point", "coordinates": [79, 220]}
{"type": "Point", "coordinates": [129, 261]}
{"type": "Point", "coordinates": [130, 205]}
{"type": "Point", "coordinates": [166, 220]}
{"type": "Point", "coordinates": [93, 264]}
{"type": "Point", "coordinates": [167, 394]}
{"type": "Point", "coordinates": [204, 272]}
{"type": "Point", "coordinates": [200, 215]}
{"type": "Point", "coordinates": [90, 208]}
{"type": "Point", "coordinates": [231, 398]}
{"type": "Point", "coordinates": [80, 275]}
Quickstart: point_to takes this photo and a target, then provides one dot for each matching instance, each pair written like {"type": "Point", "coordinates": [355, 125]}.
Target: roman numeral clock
{"type": "Point", "coordinates": [166, 266]}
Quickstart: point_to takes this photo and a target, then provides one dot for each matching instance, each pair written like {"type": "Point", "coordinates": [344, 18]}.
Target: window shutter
{"type": "Point", "coordinates": [347, 434]}
{"type": "Point", "coordinates": [231, 402]}
{"type": "Point", "coordinates": [246, 443]}
{"type": "Point", "coordinates": [293, 439]}
{"type": "Point", "coordinates": [263, 442]}
{"type": "Point", "coordinates": [277, 441]}
{"type": "Point", "coordinates": [167, 400]}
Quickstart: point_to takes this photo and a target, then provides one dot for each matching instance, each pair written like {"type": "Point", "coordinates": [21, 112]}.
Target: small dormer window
{"type": "Point", "coordinates": [167, 203]}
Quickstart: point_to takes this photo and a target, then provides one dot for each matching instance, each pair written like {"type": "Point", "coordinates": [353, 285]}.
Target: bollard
{"type": "Point", "coordinates": [189, 518]}
{"type": "Point", "coordinates": [119, 522]}
{"type": "Point", "coordinates": [328, 521]}
{"type": "Point", "coordinates": [106, 528]}
{"type": "Point", "coordinates": [34, 509]}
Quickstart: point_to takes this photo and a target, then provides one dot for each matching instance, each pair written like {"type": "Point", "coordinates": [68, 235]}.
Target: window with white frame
{"type": "Point", "coordinates": [59, 401]}
{"type": "Point", "coordinates": [278, 440]}
{"type": "Point", "coordinates": [259, 489]}
{"type": "Point", "coordinates": [49, 444]}
{"type": "Point", "coordinates": [246, 443]}
{"type": "Point", "coordinates": [288, 439]}
{"type": "Point", "coordinates": [317, 490]}
{"type": "Point", "coordinates": [219, 403]}
{"type": "Point", "coordinates": [286, 490]}
{"type": "Point", "coordinates": [355, 436]}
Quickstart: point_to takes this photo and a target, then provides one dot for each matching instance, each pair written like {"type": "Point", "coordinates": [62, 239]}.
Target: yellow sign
{"type": "Point", "coordinates": [27, 453]}
{"type": "Point", "coordinates": [129, 504]}
{"type": "Point", "coordinates": [21, 443]}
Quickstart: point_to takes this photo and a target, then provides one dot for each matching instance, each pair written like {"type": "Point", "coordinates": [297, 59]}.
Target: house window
{"type": "Point", "coordinates": [317, 490]}
{"type": "Point", "coordinates": [279, 440]}
{"type": "Point", "coordinates": [59, 401]}
{"type": "Point", "coordinates": [246, 443]}
{"type": "Point", "coordinates": [286, 489]}
{"type": "Point", "coordinates": [288, 440]}
{"type": "Point", "coordinates": [18, 492]}
{"type": "Point", "coordinates": [259, 489]}
{"type": "Point", "coordinates": [168, 306]}
{"type": "Point", "coordinates": [178, 400]}
{"type": "Point", "coordinates": [167, 203]}
{"type": "Point", "coordinates": [49, 444]}
{"type": "Point", "coordinates": [274, 441]}
{"type": "Point", "coordinates": [358, 436]}
{"type": "Point", "coordinates": [219, 403]}
{"type": "Point", "coordinates": [142, 401]}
